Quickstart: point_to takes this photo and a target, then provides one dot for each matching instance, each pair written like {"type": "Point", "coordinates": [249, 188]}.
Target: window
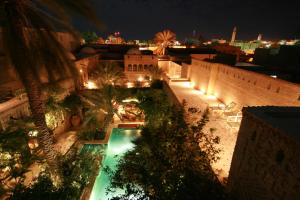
{"type": "Point", "coordinates": [145, 67]}
{"type": "Point", "coordinates": [140, 67]}
{"type": "Point", "coordinates": [299, 98]}
{"type": "Point", "coordinates": [254, 82]}
{"type": "Point", "coordinates": [150, 66]}
{"type": "Point", "coordinates": [134, 68]}
{"type": "Point", "coordinates": [269, 87]}
{"type": "Point", "coordinates": [130, 67]}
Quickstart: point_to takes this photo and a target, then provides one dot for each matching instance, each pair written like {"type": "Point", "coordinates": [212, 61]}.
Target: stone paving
{"type": "Point", "coordinates": [228, 136]}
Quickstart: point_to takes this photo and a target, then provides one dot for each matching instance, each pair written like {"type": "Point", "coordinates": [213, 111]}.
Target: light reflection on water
{"type": "Point", "coordinates": [119, 143]}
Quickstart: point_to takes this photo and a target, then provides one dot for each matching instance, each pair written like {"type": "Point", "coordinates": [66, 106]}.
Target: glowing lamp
{"type": "Point", "coordinates": [91, 85]}
{"type": "Point", "coordinates": [140, 79]}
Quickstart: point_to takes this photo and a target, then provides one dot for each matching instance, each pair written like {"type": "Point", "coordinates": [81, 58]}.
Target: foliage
{"type": "Point", "coordinates": [89, 36]}
{"type": "Point", "coordinates": [32, 47]}
{"type": "Point", "coordinates": [78, 169]}
{"type": "Point", "coordinates": [155, 105]}
{"type": "Point", "coordinates": [107, 73]}
{"type": "Point", "coordinates": [167, 162]}
{"type": "Point", "coordinates": [73, 104]}
{"type": "Point", "coordinates": [98, 102]}
{"type": "Point", "coordinates": [157, 84]}
{"type": "Point", "coordinates": [15, 154]}
{"type": "Point", "coordinates": [163, 40]}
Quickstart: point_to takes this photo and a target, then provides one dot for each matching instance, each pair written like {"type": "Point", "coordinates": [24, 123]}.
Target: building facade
{"type": "Point", "coordinates": [136, 65]}
{"type": "Point", "coordinates": [245, 88]}
{"type": "Point", "coordinates": [265, 163]}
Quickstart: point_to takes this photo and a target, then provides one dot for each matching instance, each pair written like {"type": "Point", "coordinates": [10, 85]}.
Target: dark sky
{"type": "Point", "coordinates": [141, 19]}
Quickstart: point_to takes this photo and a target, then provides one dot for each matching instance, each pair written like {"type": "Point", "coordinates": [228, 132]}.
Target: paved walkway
{"type": "Point", "coordinates": [195, 98]}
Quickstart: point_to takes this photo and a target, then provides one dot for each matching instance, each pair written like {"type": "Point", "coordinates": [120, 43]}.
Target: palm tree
{"type": "Point", "coordinates": [30, 43]}
{"type": "Point", "coordinates": [107, 73]}
{"type": "Point", "coordinates": [101, 100]}
{"type": "Point", "coordinates": [163, 40]}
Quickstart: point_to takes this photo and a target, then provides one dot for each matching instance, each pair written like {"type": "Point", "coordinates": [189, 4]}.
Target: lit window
{"type": "Point", "coordinates": [130, 67]}
{"type": "Point", "coordinates": [140, 67]}
{"type": "Point", "coordinates": [134, 68]}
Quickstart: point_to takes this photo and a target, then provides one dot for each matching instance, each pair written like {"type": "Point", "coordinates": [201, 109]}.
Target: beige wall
{"type": "Point", "coordinates": [172, 69]}
{"type": "Point", "coordinates": [243, 87]}
{"type": "Point", "coordinates": [256, 173]}
{"type": "Point", "coordinates": [135, 66]}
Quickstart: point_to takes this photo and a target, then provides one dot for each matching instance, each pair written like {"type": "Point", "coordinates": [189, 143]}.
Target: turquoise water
{"type": "Point", "coordinates": [119, 143]}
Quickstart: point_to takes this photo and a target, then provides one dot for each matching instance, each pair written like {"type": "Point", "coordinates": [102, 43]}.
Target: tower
{"type": "Point", "coordinates": [233, 35]}
{"type": "Point", "coordinates": [259, 37]}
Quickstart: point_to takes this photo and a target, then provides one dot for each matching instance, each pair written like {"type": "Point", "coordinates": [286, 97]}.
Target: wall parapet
{"type": "Point", "coordinates": [244, 87]}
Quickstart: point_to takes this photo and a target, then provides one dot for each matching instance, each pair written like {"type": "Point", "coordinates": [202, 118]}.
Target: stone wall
{"type": "Point", "coordinates": [172, 69]}
{"type": "Point", "coordinates": [243, 87]}
{"type": "Point", "coordinates": [265, 164]}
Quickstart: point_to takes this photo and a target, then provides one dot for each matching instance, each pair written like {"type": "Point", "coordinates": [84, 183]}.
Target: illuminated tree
{"type": "Point", "coordinates": [163, 40]}
{"type": "Point", "coordinates": [30, 43]}
{"type": "Point", "coordinates": [107, 73]}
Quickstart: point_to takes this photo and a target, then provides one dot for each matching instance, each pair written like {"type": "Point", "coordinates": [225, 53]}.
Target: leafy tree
{"type": "Point", "coordinates": [77, 170]}
{"type": "Point", "coordinates": [15, 154]}
{"type": "Point", "coordinates": [30, 43]}
{"type": "Point", "coordinates": [89, 36]}
{"type": "Point", "coordinates": [167, 162]}
{"type": "Point", "coordinates": [107, 73]}
{"type": "Point", "coordinates": [99, 101]}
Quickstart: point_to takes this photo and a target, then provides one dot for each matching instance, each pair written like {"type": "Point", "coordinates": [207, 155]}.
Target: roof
{"type": "Point", "coordinates": [134, 51]}
{"type": "Point", "coordinates": [284, 119]}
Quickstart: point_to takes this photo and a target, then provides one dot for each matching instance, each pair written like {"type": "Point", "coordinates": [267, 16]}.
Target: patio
{"type": "Point", "coordinates": [226, 127]}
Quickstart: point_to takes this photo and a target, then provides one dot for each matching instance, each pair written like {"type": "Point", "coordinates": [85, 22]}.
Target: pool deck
{"type": "Point", "coordinates": [228, 136]}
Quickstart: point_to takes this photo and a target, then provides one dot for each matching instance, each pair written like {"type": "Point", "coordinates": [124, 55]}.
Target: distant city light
{"type": "Point", "coordinates": [273, 76]}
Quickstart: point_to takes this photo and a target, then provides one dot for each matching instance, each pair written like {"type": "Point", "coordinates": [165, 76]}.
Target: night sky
{"type": "Point", "coordinates": [141, 19]}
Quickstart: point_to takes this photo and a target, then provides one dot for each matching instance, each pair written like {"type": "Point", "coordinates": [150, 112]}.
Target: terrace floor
{"type": "Point", "coordinates": [228, 136]}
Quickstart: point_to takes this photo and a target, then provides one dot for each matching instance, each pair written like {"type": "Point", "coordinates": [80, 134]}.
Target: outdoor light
{"type": "Point", "coordinates": [129, 85]}
{"type": "Point", "coordinates": [91, 85]}
{"type": "Point", "coordinates": [140, 79]}
{"type": "Point", "coordinates": [212, 97]}
{"type": "Point", "coordinates": [273, 76]}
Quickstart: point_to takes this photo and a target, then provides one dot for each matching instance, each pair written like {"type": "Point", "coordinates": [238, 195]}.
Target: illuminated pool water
{"type": "Point", "coordinates": [119, 143]}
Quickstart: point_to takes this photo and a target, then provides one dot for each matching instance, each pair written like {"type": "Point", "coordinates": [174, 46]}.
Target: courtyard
{"type": "Point", "coordinates": [196, 99]}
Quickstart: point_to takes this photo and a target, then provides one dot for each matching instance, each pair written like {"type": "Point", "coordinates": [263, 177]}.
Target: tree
{"type": "Point", "coordinates": [107, 73]}
{"type": "Point", "coordinates": [30, 44]}
{"type": "Point", "coordinates": [167, 162]}
{"type": "Point", "coordinates": [89, 37]}
{"type": "Point", "coordinates": [18, 150]}
{"type": "Point", "coordinates": [102, 100]}
{"type": "Point", "coordinates": [163, 40]}
{"type": "Point", "coordinates": [78, 169]}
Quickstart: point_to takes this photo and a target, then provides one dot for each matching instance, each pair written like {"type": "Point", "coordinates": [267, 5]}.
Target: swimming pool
{"type": "Point", "coordinates": [119, 143]}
